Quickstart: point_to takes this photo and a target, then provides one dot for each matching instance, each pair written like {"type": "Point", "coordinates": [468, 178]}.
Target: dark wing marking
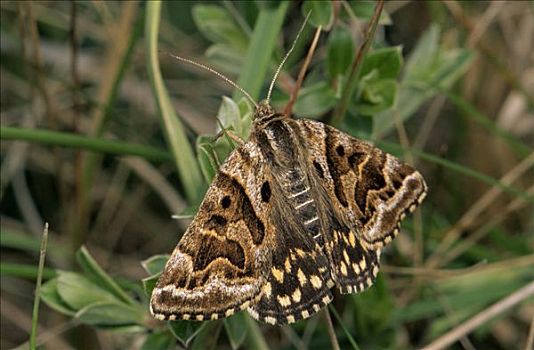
{"type": "Point", "coordinates": [367, 193]}
{"type": "Point", "coordinates": [219, 265]}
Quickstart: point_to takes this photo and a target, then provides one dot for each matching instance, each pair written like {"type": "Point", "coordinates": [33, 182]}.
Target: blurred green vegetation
{"type": "Point", "coordinates": [105, 136]}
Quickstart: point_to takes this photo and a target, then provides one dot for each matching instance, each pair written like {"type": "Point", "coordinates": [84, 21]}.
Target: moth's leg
{"type": "Point", "coordinates": [238, 140]}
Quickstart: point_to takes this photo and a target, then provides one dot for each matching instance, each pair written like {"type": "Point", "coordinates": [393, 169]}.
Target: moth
{"type": "Point", "coordinates": [296, 210]}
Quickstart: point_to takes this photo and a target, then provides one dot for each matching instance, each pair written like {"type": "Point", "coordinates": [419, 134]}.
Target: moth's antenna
{"type": "Point", "coordinates": [285, 58]}
{"type": "Point", "coordinates": [220, 75]}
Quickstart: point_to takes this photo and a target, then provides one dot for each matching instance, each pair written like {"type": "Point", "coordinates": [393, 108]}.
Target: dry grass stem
{"type": "Point", "coordinates": [472, 214]}
{"type": "Point", "coordinates": [470, 325]}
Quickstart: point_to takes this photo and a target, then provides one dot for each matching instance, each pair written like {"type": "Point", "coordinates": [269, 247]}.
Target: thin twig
{"type": "Point", "coordinates": [37, 296]}
{"type": "Point", "coordinates": [331, 330]}
{"type": "Point", "coordinates": [302, 73]}
{"type": "Point", "coordinates": [349, 87]}
{"type": "Point", "coordinates": [530, 340]}
{"type": "Point", "coordinates": [477, 209]}
{"type": "Point", "coordinates": [468, 326]}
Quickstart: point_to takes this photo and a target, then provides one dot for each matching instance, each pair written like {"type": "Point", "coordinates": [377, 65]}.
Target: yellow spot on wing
{"type": "Point", "coordinates": [267, 290]}
{"type": "Point", "coordinates": [316, 281]}
{"type": "Point", "coordinates": [290, 319]}
{"type": "Point", "coordinates": [352, 239]}
{"type": "Point", "coordinates": [363, 264]}
{"type": "Point", "coordinates": [270, 320]}
{"type": "Point", "coordinates": [284, 300]}
{"type": "Point", "coordinates": [343, 269]}
{"type": "Point", "coordinates": [278, 274]}
{"type": "Point", "coordinates": [296, 295]}
{"type": "Point", "coordinates": [302, 277]}
{"type": "Point", "coordinates": [287, 265]}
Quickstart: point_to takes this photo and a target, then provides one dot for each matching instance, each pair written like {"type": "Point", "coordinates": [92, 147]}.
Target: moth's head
{"type": "Point", "coordinates": [263, 110]}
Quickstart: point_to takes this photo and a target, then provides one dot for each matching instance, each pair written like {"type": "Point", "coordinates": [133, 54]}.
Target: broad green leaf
{"type": "Point", "coordinates": [340, 51]}
{"type": "Point", "coordinates": [236, 329]}
{"type": "Point", "coordinates": [321, 12]}
{"type": "Point", "coordinates": [149, 283]}
{"type": "Point", "coordinates": [105, 314]}
{"type": "Point", "coordinates": [50, 295]}
{"type": "Point", "coordinates": [428, 70]}
{"type": "Point", "coordinates": [185, 331]}
{"type": "Point", "coordinates": [226, 58]}
{"type": "Point", "coordinates": [159, 340]}
{"type": "Point", "coordinates": [377, 96]}
{"type": "Point", "coordinates": [78, 292]}
{"type": "Point", "coordinates": [229, 116]}
{"type": "Point", "coordinates": [315, 100]}
{"type": "Point", "coordinates": [217, 25]}
{"type": "Point", "coordinates": [99, 276]}
{"type": "Point", "coordinates": [387, 61]}
{"type": "Point", "coordinates": [155, 264]}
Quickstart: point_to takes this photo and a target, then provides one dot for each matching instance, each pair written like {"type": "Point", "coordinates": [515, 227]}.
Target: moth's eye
{"type": "Point", "coordinates": [340, 151]}
{"type": "Point", "coordinates": [319, 169]}
{"type": "Point", "coordinates": [265, 192]}
{"type": "Point", "coordinates": [225, 202]}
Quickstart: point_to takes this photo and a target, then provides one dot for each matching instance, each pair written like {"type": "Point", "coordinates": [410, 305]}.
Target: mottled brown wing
{"type": "Point", "coordinates": [219, 265]}
{"type": "Point", "coordinates": [299, 281]}
{"type": "Point", "coordinates": [369, 193]}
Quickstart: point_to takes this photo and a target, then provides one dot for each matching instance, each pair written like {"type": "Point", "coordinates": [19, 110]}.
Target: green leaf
{"type": "Point", "coordinates": [377, 96]}
{"type": "Point", "coordinates": [315, 100]}
{"type": "Point", "coordinates": [155, 264]}
{"type": "Point", "coordinates": [228, 114]}
{"type": "Point", "coordinates": [321, 12]}
{"type": "Point", "coordinates": [106, 314]}
{"type": "Point", "coordinates": [51, 297]}
{"type": "Point", "coordinates": [236, 328]}
{"type": "Point", "coordinates": [365, 9]}
{"type": "Point", "coordinates": [217, 25]}
{"type": "Point", "coordinates": [386, 61]}
{"type": "Point", "coordinates": [260, 50]}
{"type": "Point", "coordinates": [149, 283]}
{"type": "Point", "coordinates": [184, 156]}
{"type": "Point", "coordinates": [340, 51]}
{"type": "Point", "coordinates": [99, 276]}
{"type": "Point", "coordinates": [159, 340]}
{"type": "Point", "coordinates": [185, 331]}
{"type": "Point", "coordinates": [428, 70]}
{"type": "Point", "coordinates": [25, 271]}
{"type": "Point", "coordinates": [78, 292]}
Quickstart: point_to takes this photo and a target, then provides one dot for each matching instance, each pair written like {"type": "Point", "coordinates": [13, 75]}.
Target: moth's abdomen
{"type": "Point", "coordinates": [299, 196]}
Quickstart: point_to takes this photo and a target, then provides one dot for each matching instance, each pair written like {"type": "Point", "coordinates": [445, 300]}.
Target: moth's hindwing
{"type": "Point", "coordinates": [368, 193]}
{"type": "Point", "coordinates": [298, 284]}
{"type": "Point", "coordinates": [218, 267]}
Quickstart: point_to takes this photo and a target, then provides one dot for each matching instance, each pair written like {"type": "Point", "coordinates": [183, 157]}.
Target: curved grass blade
{"type": "Point", "coordinates": [182, 151]}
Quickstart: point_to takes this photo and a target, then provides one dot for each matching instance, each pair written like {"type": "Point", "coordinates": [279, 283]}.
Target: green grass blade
{"type": "Point", "coordinates": [347, 333]}
{"type": "Point", "coordinates": [94, 144]}
{"type": "Point", "coordinates": [260, 50]}
{"type": "Point", "coordinates": [92, 269]}
{"type": "Point", "coordinates": [25, 271]}
{"type": "Point", "coordinates": [182, 151]}
{"type": "Point", "coordinates": [37, 296]}
{"type": "Point", "coordinates": [395, 148]}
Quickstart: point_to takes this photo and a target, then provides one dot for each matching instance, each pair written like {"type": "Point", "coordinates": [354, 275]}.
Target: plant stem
{"type": "Point", "coordinates": [37, 296]}
{"type": "Point", "coordinates": [350, 85]}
